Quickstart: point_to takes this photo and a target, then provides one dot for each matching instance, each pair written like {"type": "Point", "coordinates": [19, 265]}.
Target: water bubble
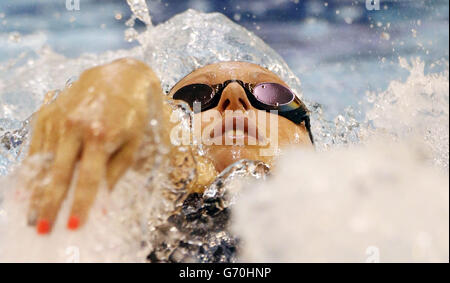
{"type": "Point", "coordinates": [131, 21]}
{"type": "Point", "coordinates": [118, 16]}
{"type": "Point", "coordinates": [14, 37]}
{"type": "Point", "coordinates": [131, 34]}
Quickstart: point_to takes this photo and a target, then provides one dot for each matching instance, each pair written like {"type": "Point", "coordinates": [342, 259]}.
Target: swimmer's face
{"type": "Point", "coordinates": [251, 136]}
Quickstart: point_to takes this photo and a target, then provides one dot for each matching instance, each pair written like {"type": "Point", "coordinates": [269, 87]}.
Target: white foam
{"type": "Point", "coordinates": [116, 230]}
{"type": "Point", "coordinates": [383, 198]}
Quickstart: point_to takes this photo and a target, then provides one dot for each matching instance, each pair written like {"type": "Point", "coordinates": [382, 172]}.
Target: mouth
{"type": "Point", "coordinates": [236, 130]}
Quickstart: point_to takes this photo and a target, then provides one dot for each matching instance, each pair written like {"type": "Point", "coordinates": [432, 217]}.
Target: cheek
{"type": "Point", "coordinates": [208, 118]}
{"type": "Point", "coordinates": [290, 133]}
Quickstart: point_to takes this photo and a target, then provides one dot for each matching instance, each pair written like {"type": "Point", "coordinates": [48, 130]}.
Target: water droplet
{"type": "Point", "coordinates": [14, 37]}
{"type": "Point", "coordinates": [385, 36]}
{"type": "Point", "coordinates": [131, 34]}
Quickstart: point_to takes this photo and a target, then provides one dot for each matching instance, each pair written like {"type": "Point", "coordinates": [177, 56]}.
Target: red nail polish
{"type": "Point", "coordinates": [73, 223]}
{"type": "Point", "coordinates": [43, 226]}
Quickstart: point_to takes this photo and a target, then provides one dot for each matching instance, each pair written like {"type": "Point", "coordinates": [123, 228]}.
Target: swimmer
{"type": "Point", "coordinates": [100, 122]}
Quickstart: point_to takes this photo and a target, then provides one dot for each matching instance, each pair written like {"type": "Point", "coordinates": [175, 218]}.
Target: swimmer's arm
{"type": "Point", "coordinates": [99, 121]}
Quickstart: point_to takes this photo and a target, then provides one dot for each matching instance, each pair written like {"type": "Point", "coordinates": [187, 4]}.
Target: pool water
{"type": "Point", "coordinates": [372, 78]}
{"type": "Point", "coordinates": [338, 49]}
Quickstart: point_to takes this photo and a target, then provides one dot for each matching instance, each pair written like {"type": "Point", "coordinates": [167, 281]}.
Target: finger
{"type": "Point", "coordinates": [120, 162]}
{"type": "Point", "coordinates": [37, 139]}
{"type": "Point", "coordinates": [61, 173]}
{"type": "Point", "coordinates": [92, 171]}
{"type": "Point", "coordinates": [46, 133]}
{"type": "Point", "coordinates": [51, 136]}
{"type": "Point", "coordinates": [43, 126]}
{"type": "Point", "coordinates": [36, 195]}
{"type": "Point", "coordinates": [34, 183]}
{"type": "Point", "coordinates": [45, 136]}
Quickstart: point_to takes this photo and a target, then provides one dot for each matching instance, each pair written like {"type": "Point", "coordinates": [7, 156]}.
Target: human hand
{"type": "Point", "coordinates": [99, 120]}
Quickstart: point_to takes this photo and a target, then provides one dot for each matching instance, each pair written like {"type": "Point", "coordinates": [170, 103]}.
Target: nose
{"type": "Point", "coordinates": [234, 98]}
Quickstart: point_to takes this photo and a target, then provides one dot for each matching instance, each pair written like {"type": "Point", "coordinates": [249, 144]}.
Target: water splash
{"type": "Point", "coordinates": [173, 49]}
{"type": "Point", "coordinates": [192, 39]}
{"type": "Point", "coordinates": [416, 108]}
{"type": "Point", "coordinates": [140, 10]}
{"type": "Point", "coordinates": [198, 230]}
{"type": "Point", "coordinates": [380, 183]}
{"type": "Point", "coordinates": [343, 202]}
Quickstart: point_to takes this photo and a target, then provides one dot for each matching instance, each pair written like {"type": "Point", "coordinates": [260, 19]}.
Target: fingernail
{"type": "Point", "coordinates": [43, 226]}
{"type": "Point", "coordinates": [73, 223]}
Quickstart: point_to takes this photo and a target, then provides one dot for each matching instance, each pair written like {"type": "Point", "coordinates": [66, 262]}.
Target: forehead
{"type": "Point", "coordinates": [220, 72]}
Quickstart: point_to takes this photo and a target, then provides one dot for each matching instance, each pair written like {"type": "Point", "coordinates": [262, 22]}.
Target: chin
{"type": "Point", "coordinates": [223, 156]}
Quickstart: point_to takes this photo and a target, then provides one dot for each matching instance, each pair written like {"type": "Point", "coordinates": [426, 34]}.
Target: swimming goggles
{"type": "Point", "coordinates": [263, 96]}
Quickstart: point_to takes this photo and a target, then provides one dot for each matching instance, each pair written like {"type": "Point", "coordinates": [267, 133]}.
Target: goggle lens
{"type": "Point", "coordinates": [273, 94]}
{"type": "Point", "coordinates": [195, 93]}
